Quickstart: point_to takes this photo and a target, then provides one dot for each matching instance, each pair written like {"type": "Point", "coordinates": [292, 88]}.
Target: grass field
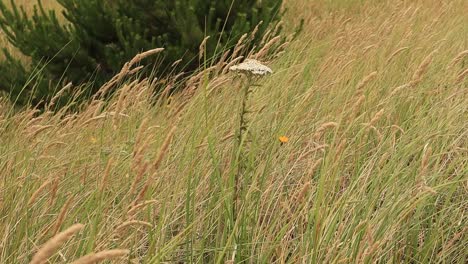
{"type": "Point", "coordinates": [373, 100]}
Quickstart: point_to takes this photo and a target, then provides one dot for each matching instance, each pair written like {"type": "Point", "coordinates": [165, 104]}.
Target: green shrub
{"type": "Point", "coordinates": [98, 36]}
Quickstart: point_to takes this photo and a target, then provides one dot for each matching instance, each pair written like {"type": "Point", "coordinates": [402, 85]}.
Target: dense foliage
{"type": "Point", "coordinates": [97, 37]}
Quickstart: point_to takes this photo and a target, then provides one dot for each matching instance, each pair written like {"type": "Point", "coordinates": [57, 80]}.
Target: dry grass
{"type": "Point", "coordinates": [375, 168]}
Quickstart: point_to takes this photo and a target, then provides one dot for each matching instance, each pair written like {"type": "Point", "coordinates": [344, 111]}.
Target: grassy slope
{"type": "Point", "coordinates": [383, 180]}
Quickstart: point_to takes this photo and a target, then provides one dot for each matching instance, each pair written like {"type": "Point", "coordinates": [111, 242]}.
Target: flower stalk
{"type": "Point", "coordinates": [251, 70]}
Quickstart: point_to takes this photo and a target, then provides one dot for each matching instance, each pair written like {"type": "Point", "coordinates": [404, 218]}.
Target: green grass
{"type": "Point", "coordinates": [386, 182]}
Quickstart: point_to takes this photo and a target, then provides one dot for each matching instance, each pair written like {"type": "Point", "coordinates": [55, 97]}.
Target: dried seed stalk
{"type": "Point", "coordinates": [101, 256]}
{"type": "Point", "coordinates": [51, 246]}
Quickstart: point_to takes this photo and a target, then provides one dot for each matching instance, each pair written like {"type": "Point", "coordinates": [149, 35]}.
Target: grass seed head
{"type": "Point", "coordinates": [62, 214]}
{"type": "Point", "coordinates": [366, 80]}
{"type": "Point", "coordinates": [35, 195]}
{"type": "Point", "coordinates": [422, 69]}
{"type": "Point", "coordinates": [202, 48]}
{"type": "Point", "coordinates": [133, 223]}
{"type": "Point", "coordinates": [51, 246]}
{"type": "Point", "coordinates": [460, 56]}
{"type": "Point", "coordinates": [101, 256]}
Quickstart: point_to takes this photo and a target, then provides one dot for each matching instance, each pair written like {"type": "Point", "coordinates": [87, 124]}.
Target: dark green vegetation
{"type": "Point", "coordinates": [97, 37]}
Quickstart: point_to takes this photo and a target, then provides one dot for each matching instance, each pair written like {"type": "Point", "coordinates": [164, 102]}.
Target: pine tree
{"type": "Point", "coordinates": [96, 37]}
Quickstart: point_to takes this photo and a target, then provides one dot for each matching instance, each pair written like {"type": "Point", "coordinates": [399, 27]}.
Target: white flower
{"type": "Point", "coordinates": [253, 67]}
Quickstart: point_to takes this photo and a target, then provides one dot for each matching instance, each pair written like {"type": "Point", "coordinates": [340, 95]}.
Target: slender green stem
{"type": "Point", "coordinates": [242, 130]}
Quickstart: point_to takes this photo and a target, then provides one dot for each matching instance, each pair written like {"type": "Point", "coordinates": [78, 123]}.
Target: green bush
{"type": "Point", "coordinates": [98, 36]}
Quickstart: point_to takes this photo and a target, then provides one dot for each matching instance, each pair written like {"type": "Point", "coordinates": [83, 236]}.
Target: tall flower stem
{"type": "Point", "coordinates": [241, 140]}
{"type": "Point", "coordinates": [250, 70]}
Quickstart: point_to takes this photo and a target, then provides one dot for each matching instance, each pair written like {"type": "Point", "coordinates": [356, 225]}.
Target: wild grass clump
{"type": "Point", "coordinates": [363, 171]}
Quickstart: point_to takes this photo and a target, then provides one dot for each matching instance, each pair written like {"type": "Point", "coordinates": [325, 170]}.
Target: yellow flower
{"type": "Point", "coordinates": [93, 140]}
{"type": "Point", "coordinates": [283, 139]}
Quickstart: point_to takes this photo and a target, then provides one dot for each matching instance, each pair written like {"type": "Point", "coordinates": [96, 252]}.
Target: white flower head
{"type": "Point", "coordinates": [251, 66]}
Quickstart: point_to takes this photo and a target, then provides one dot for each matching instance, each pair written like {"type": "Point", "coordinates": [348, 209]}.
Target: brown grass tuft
{"type": "Point", "coordinates": [303, 193]}
{"type": "Point", "coordinates": [422, 69]}
{"type": "Point", "coordinates": [377, 117]}
{"type": "Point", "coordinates": [133, 223]}
{"type": "Point", "coordinates": [58, 94]}
{"type": "Point", "coordinates": [101, 256]}
{"type": "Point", "coordinates": [394, 54]}
{"type": "Point", "coordinates": [264, 51]}
{"type": "Point", "coordinates": [202, 48]}
{"type": "Point", "coordinates": [163, 148]}
{"type": "Point", "coordinates": [102, 186]}
{"type": "Point", "coordinates": [125, 71]}
{"type": "Point", "coordinates": [38, 129]}
{"type": "Point", "coordinates": [133, 210]}
{"type": "Point", "coordinates": [377, 133]}
{"type": "Point", "coordinates": [62, 215]}
{"type": "Point", "coordinates": [34, 196]}
{"type": "Point", "coordinates": [461, 76]}
{"type": "Point", "coordinates": [365, 80]}
{"type": "Point", "coordinates": [155, 165]}
{"type": "Point", "coordinates": [357, 105]}
{"type": "Point", "coordinates": [453, 240]}
{"type": "Point", "coordinates": [231, 63]}
{"type": "Point", "coordinates": [53, 190]}
{"type": "Point", "coordinates": [324, 127]}
{"type": "Point", "coordinates": [139, 175]}
{"type": "Point", "coordinates": [239, 46]}
{"type": "Point", "coordinates": [458, 58]}
{"type": "Point", "coordinates": [254, 32]}
{"type": "Point", "coordinates": [425, 159]}
{"type": "Point", "coordinates": [51, 246]}
{"type": "Point", "coordinates": [314, 167]}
